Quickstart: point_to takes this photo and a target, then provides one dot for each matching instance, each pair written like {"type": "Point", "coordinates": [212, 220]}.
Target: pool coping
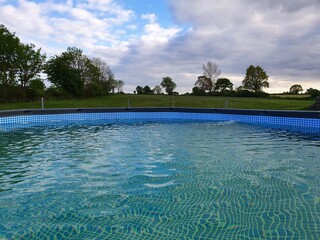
{"type": "Point", "coordinates": [252, 112]}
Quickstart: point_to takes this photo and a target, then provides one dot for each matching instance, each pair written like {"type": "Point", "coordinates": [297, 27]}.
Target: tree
{"type": "Point", "coordinates": [112, 83]}
{"type": "Point", "coordinates": [157, 90]}
{"type": "Point", "coordinates": [168, 85]}
{"type": "Point", "coordinates": [256, 79]}
{"type": "Point", "coordinates": [9, 45]}
{"type": "Point", "coordinates": [139, 90]}
{"type": "Point", "coordinates": [119, 85]}
{"type": "Point", "coordinates": [29, 63]}
{"type": "Point", "coordinates": [240, 88]}
{"type": "Point", "coordinates": [211, 71]}
{"type": "Point", "coordinates": [18, 62]}
{"type": "Point", "coordinates": [36, 88]}
{"type": "Point", "coordinates": [223, 84]}
{"type": "Point", "coordinates": [204, 83]}
{"type": "Point", "coordinates": [198, 91]}
{"type": "Point", "coordinates": [147, 90]}
{"type": "Point", "coordinates": [295, 89]}
{"type": "Point", "coordinates": [71, 71]}
{"type": "Point", "coordinates": [313, 92]}
{"type": "Point", "coordinates": [106, 76]}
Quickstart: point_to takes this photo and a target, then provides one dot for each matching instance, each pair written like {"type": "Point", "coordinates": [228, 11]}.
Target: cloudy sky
{"type": "Point", "coordinates": [146, 40]}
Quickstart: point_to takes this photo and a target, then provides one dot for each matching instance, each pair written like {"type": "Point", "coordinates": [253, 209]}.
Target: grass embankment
{"type": "Point", "coordinates": [119, 100]}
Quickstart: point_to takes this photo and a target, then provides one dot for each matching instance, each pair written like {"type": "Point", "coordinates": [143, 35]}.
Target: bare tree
{"type": "Point", "coordinates": [119, 85]}
{"type": "Point", "coordinates": [211, 71]}
{"type": "Point", "coordinates": [157, 90]}
{"type": "Point", "coordinates": [104, 68]}
{"type": "Point", "coordinates": [106, 76]}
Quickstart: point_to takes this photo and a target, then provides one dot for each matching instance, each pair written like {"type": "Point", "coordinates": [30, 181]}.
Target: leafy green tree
{"type": "Point", "coordinates": [18, 62]}
{"type": "Point", "coordinates": [9, 44]}
{"type": "Point", "coordinates": [147, 90]}
{"type": "Point", "coordinates": [295, 89]}
{"type": "Point", "coordinates": [29, 63]}
{"type": "Point", "coordinates": [204, 83]}
{"type": "Point", "coordinates": [64, 76]}
{"type": "Point", "coordinates": [198, 91]}
{"type": "Point", "coordinates": [168, 85]}
{"type": "Point", "coordinates": [256, 79]}
{"type": "Point", "coordinates": [71, 71]}
{"type": "Point", "coordinates": [211, 71]}
{"type": "Point", "coordinates": [223, 84]}
{"type": "Point", "coordinates": [313, 92]}
{"type": "Point", "coordinates": [36, 88]}
{"type": "Point", "coordinates": [139, 90]}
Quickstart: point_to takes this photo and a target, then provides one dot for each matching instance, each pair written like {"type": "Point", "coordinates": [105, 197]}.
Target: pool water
{"type": "Point", "coordinates": [186, 180]}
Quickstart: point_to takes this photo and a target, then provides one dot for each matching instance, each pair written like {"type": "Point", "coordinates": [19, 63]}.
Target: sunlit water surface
{"type": "Point", "coordinates": [183, 180]}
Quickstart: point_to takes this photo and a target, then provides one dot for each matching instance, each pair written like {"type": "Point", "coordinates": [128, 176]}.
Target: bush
{"type": "Point", "coordinates": [314, 93]}
{"type": "Point", "coordinates": [93, 90]}
{"type": "Point", "coordinates": [198, 91]}
{"type": "Point", "coordinates": [35, 89]}
{"type": "Point", "coordinates": [54, 92]}
{"type": "Point", "coordinates": [10, 93]}
{"type": "Point", "coordinates": [247, 93]}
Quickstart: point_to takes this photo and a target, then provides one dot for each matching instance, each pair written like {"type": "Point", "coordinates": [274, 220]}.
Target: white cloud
{"type": "Point", "coordinates": [281, 36]}
{"type": "Point", "coordinates": [74, 23]}
{"type": "Point", "coordinates": [132, 27]}
{"type": "Point", "coordinates": [116, 14]}
{"type": "Point", "coordinates": [26, 19]}
{"type": "Point", "coordinates": [154, 34]}
{"type": "Point", "coordinates": [151, 17]}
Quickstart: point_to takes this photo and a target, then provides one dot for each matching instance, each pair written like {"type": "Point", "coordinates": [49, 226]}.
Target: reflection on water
{"type": "Point", "coordinates": [145, 181]}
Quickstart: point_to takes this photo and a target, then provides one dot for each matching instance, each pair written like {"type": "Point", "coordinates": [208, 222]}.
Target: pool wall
{"type": "Point", "coordinates": [306, 121]}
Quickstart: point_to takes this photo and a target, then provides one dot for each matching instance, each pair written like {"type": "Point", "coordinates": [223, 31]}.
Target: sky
{"type": "Point", "coordinates": [146, 40]}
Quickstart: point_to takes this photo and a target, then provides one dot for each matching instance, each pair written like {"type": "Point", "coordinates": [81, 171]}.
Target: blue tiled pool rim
{"type": "Point", "coordinates": [304, 121]}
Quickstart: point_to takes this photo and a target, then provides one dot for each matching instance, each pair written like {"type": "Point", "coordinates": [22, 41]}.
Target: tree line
{"type": "Point", "coordinates": [71, 73]}
{"type": "Point", "coordinates": [167, 84]}
{"type": "Point", "coordinates": [209, 84]}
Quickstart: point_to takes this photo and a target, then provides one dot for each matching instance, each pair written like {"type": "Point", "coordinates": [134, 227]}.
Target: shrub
{"type": "Point", "coordinates": [93, 90]}
{"type": "Point", "coordinates": [198, 91]}
{"type": "Point", "coordinates": [35, 89]}
{"type": "Point", "coordinates": [10, 93]}
{"type": "Point", "coordinates": [54, 92]}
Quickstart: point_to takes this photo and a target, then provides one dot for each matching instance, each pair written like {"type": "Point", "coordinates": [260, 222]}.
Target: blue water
{"type": "Point", "coordinates": [185, 180]}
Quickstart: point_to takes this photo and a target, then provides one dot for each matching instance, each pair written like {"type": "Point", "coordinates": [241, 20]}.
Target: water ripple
{"type": "Point", "coordinates": [187, 180]}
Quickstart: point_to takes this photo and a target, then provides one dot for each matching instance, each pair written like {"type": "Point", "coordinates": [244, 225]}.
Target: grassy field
{"type": "Point", "coordinates": [119, 100]}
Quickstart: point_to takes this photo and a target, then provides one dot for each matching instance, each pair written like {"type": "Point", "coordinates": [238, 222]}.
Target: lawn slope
{"type": "Point", "coordinates": [123, 100]}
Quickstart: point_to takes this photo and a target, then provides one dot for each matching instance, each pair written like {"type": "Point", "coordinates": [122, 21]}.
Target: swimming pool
{"type": "Point", "coordinates": [157, 178]}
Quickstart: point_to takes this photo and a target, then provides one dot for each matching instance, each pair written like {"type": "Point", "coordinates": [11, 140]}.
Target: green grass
{"type": "Point", "coordinates": [119, 100]}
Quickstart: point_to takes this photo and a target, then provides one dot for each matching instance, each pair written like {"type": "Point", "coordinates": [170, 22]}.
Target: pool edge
{"type": "Point", "coordinates": [272, 113]}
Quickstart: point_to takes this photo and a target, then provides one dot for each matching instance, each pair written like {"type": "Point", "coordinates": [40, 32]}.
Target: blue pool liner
{"type": "Point", "coordinates": [303, 121]}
